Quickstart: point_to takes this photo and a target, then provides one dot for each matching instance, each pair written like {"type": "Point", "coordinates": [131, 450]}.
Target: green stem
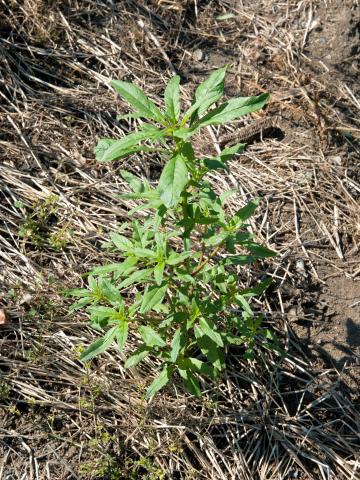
{"type": "Point", "coordinates": [202, 264]}
{"type": "Point", "coordinates": [186, 236]}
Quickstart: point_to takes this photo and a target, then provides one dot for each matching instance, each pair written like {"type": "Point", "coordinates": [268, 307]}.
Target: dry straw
{"type": "Point", "coordinates": [271, 420]}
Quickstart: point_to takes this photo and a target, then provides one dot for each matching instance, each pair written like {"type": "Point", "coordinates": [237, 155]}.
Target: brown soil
{"type": "Point", "coordinates": [334, 41]}
{"type": "Point", "coordinates": [333, 50]}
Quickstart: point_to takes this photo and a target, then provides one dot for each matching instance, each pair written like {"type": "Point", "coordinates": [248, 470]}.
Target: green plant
{"type": "Point", "coordinates": [35, 225]}
{"type": "Point", "coordinates": [60, 239]}
{"type": "Point", "coordinates": [4, 391]}
{"type": "Point", "coordinates": [143, 468]}
{"type": "Point", "coordinates": [102, 468]}
{"type": "Point", "coordinates": [177, 282]}
{"type": "Point", "coordinates": [107, 467]}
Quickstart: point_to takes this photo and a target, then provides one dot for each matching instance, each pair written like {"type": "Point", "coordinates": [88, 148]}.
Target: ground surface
{"type": "Point", "coordinates": [277, 419]}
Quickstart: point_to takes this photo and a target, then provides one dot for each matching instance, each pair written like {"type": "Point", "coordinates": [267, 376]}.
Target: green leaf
{"type": "Point", "coordinates": [150, 337]}
{"type": "Point", "coordinates": [183, 132]}
{"type": "Point", "coordinates": [168, 320]}
{"type": "Point", "coordinates": [102, 146]}
{"type": "Point", "coordinates": [134, 307]}
{"type": "Point", "coordinates": [175, 258]}
{"type": "Point", "coordinates": [185, 277]}
{"type": "Point", "coordinates": [107, 150]}
{"type": "Point", "coordinates": [136, 277]}
{"type": "Point", "coordinates": [216, 239]}
{"type": "Point", "coordinates": [244, 304]}
{"type": "Point", "coordinates": [159, 381]}
{"type": "Point", "coordinates": [144, 253]}
{"type": "Point", "coordinates": [120, 269]}
{"type": "Point", "coordinates": [196, 366]}
{"type": "Point", "coordinates": [207, 328]}
{"type": "Point", "coordinates": [134, 182]}
{"type": "Point", "coordinates": [233, 340]}
{"type": "Point", "coordinates": [242, 238]}
{"type": "Point", "coordinates": [92, 283]}
{"type": "Point", "coordinates": [122, 334]}
{"type": "Point", "coordinates": [159, 272]}
{"type": "Point", "coordinates": [215, 164]}
{"type": "Point", "coordinates": [173, 180]}
{"type": "Point", "coordinates": [211, 89]}
{"type": "Point", "coordinates": [153, 133]}
{"type": "Point", "coordinates": [80, 303]}
{"type": "Point", "coordinates": [121, 242]}
{"type": "Point", "coordinates": [99, 313]}
{"type": "Point", "coordinates": [257, 290]}
{"type": "Point", "coordinates": [234, 108]}
{"type": "Point", "coordinates": [188, 153]}
{"type": "Point", "coordinates": [128, 116]}
{"type": "Point", "coordinates": [140, 233]}
{"type": "Point", "coordinates": [190, 382]}
{"type": "Point", "coordinates": [172, 99]}
{"type": "Point", "coordinates": [149, 195]}
{"type": "Point", "coordinates": [227, 194]}
{"type": "Point", "coordinates": [147, 206]}
{"type": "Point", "coordinates": [206, 94]}
{"type": "Point", "coordinates": [177, 343]}
{"type": "Point", "coordinates": [109, 268]}
{"type": "Point", "coordinates": [160, 240]}
{"type": "Point", "coordinates": [205, 219]}
{"type": "Point", "coordinates": [99, 346]}
{"type": "Point", "coordinates": [153, 296]}
{"type": "Point", "coordinates": [228, 153]}
{"type": "Point", "coordinates": [269, 335]}
{"type": "Point", "coordinates": [260, 251]}
{"type": "Point", "coordinates": [137, 98]}
{"type": "Point", "coordinates": [77, 292]}
{"type": "Point", "coordinates": [139, 355]}
{"type": "Point", "coordinates": [210, 349]}
{"type": "Point", "coordinates": [247, 211]}
{"type": "Point", "coordinates": [109, 291]}
{"type": "Point", "coordinates": [239, 259]}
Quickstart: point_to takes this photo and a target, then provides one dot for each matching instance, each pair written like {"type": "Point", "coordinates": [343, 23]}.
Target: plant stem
{"type": "Point", "coordinates": [186, 234]}
{"type": "Point", "coordinates": [207, 260]}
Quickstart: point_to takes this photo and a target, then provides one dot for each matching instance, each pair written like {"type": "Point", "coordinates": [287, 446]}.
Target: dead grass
{"type": "Point", "coordinates": [274, 419]}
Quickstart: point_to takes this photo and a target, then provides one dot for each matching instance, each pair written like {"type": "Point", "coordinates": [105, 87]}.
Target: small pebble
{"type": "Point", "coordinates": [26, 298]}
{"type": "Point", "coordinates": [335, 160]}
{"type": "Point", "coordinates": [300, 266]}
{"type": "Point", "coordinates": [198, 55]}
{"type": "Point", "coordinates": [309, 175]}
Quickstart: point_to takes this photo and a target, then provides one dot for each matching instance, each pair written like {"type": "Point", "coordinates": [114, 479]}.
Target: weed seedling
{"type": "Point", "coordinates": [4, 391]}
{"type": "Point", "coordinates": [176, 282]}
{"type": "Point", "coordinates": [35, 228]}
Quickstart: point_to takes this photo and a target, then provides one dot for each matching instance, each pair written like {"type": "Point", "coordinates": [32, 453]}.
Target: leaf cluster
{"type": "Point", "coordinates": [175, 285]}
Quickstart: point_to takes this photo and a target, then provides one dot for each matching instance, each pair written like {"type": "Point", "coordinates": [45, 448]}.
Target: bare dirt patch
{"type": "Point", "coordinates": [340, 337]}
{"type": "Point", "coordinates": [334, 40]}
